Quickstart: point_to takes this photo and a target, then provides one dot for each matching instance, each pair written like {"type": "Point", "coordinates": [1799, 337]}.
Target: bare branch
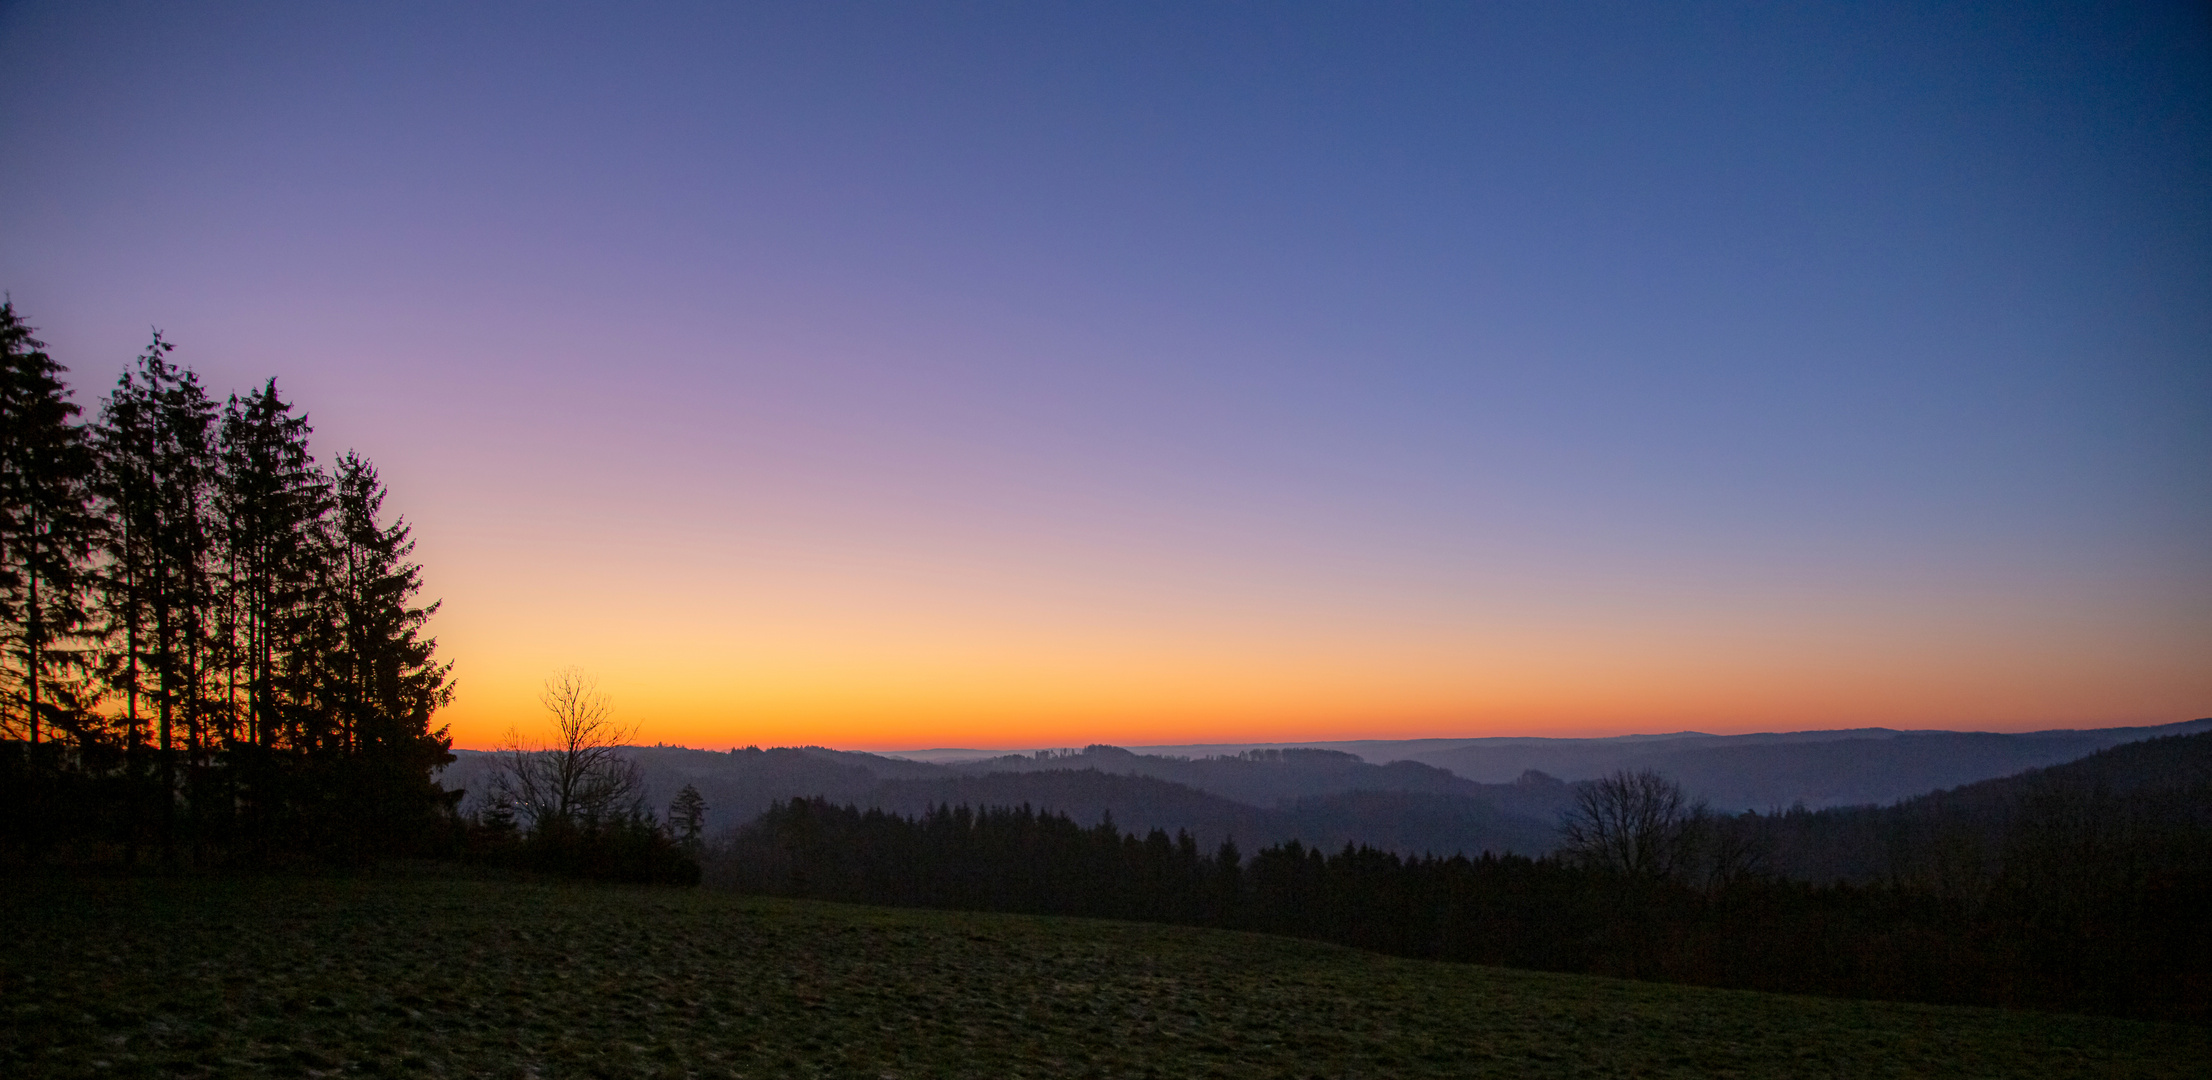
{"type": "Point", "coordinates": [581, 777]}
{"type": "Point", "coordinates": [1634, 823]}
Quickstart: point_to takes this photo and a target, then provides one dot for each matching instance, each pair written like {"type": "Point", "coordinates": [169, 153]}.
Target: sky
{"type": "Point", "coordinates": [1009, 375]}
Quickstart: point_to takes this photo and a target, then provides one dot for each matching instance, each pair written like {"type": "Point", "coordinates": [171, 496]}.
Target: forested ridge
{"type": "Point", "coordinates": [2086, 892]}
{"type": "Point", "coordinates": [212, 646]}
{"type": "Point", "coordinates": [1319, 797]}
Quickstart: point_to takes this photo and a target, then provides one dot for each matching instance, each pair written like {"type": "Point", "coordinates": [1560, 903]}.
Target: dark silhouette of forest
{"type": "Point", "coordinates": [2091, 880]}
{"type": "Point", "coordinates": [212, 646]}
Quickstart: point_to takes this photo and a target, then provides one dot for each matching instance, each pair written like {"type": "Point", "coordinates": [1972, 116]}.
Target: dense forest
{"type": "Point", "coordinates": [2087, 890]}
{"type": "Point", "coordinates": [211, 645]}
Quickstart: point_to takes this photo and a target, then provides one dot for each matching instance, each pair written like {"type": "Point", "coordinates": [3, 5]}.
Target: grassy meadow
{"type": "Point", "coordinates": [428, 976]}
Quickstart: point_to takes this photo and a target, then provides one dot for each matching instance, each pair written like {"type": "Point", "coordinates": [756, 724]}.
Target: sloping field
{"type": "Point", "coordinates": [427, 977]}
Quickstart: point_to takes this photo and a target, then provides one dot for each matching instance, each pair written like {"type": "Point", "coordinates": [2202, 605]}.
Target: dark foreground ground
{"type": "Point", "coordinates": [429, 977]}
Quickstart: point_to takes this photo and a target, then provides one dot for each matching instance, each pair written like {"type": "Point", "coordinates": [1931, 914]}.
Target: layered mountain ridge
{"type": "Point", "coordinates": [1444, 796]}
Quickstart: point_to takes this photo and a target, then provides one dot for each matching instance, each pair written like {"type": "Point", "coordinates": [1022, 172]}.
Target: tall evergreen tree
{"type": "Point", "coordinates": [273, 504]}
{"type": "Point", "coordinates": [154, 486]}
{"type": "Point", "coordinates": [252, 623]}
{"type": "Point", "coordinates": [383, 678]}
{"type": "Point", "coordinates": [376, 680]}
{"type": "Point", "coordinates": [45, 534]}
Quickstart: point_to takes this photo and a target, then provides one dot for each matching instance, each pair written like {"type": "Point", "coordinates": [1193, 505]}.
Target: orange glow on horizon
{"type": "Point", "coordinates": [954, 636]}
{"type": "Point", "coordinates": [1130, 697]}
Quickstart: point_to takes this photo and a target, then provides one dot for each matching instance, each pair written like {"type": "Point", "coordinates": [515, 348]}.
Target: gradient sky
{"type": "Point", "coordinates": [1037, 374]}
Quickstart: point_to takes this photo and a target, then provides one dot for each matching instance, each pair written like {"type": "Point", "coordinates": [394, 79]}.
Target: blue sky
{"type": "Point", "coordinates": [1147, 357]}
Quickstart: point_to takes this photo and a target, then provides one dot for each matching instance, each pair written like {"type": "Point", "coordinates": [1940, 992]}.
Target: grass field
{"type": "Point", "coordinates": [430, 977]}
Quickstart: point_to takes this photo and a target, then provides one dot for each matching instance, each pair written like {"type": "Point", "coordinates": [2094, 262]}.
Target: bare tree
{"type": "Point", "coordinates": [1635, 823]}
{"type": "Point", "coordinates": [581, 778]}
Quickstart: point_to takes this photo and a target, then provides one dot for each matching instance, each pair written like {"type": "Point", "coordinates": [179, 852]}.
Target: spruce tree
{"type": "Point", "coordinates": [154, 488]}
{"type": "Point", "coordinates": [381, 679]}
{"type": "Point", "coordinates": [272, 505]}
{"type": "Point", "coordinates": [687, 817]}
{"type": "Point", "coordinates": [388, 680]}
{"type": "Point", "coordinates": [45, 534]}
{"type": "Point", "coordinates": [252, 623]}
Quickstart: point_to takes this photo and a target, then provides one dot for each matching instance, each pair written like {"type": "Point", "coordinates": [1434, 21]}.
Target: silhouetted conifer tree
{"type": "Point", "coordinates": [384, 679]}
{"type": "Point", "coordinates": [687, 816]}
{"type": "Point", "coordinates": [154, 486]}
{"type": "Point", "coordinates": [46, 529]}
{"type": "Point", "coordinates": [380, 678]}
{"type": "Point", "coordinates": [273, 508]}
{"type": "Point", "coordinates": [257, 656]}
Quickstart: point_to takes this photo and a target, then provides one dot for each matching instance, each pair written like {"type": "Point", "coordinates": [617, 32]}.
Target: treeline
{"type": "Point", "coordinates": [211, 645]}
{"type": "Point", "coordinates": [2150, 799]}
{"type": "Point", "coordinates": [2080, 917]}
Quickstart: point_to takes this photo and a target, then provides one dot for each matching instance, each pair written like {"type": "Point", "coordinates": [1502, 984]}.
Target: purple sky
{"type": "Point", "coordinates": [912, 374]}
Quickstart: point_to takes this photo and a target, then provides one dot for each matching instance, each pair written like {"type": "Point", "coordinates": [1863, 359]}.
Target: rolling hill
{"type": "Point", "coordinates": [1470, 795]}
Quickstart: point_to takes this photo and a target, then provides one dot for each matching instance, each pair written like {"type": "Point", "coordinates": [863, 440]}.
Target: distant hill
{"type": "Point", "coordinates": [1766, 770]}
{"type": "Point", "coordinates": [1400, 820]}
{"type": "Point", "coordinates": [2145, 802]}
{"type": "Point", "coordinates": [1258, 777]}
{"type": "Point", "coordinates": [2174, 765]}
{"type": "Point", "coordinates": [1137, 803]}
{"type": "Point", "coordinates": [1318, 796]}
{"type": "Point", "coordinates": [1453, 795]}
